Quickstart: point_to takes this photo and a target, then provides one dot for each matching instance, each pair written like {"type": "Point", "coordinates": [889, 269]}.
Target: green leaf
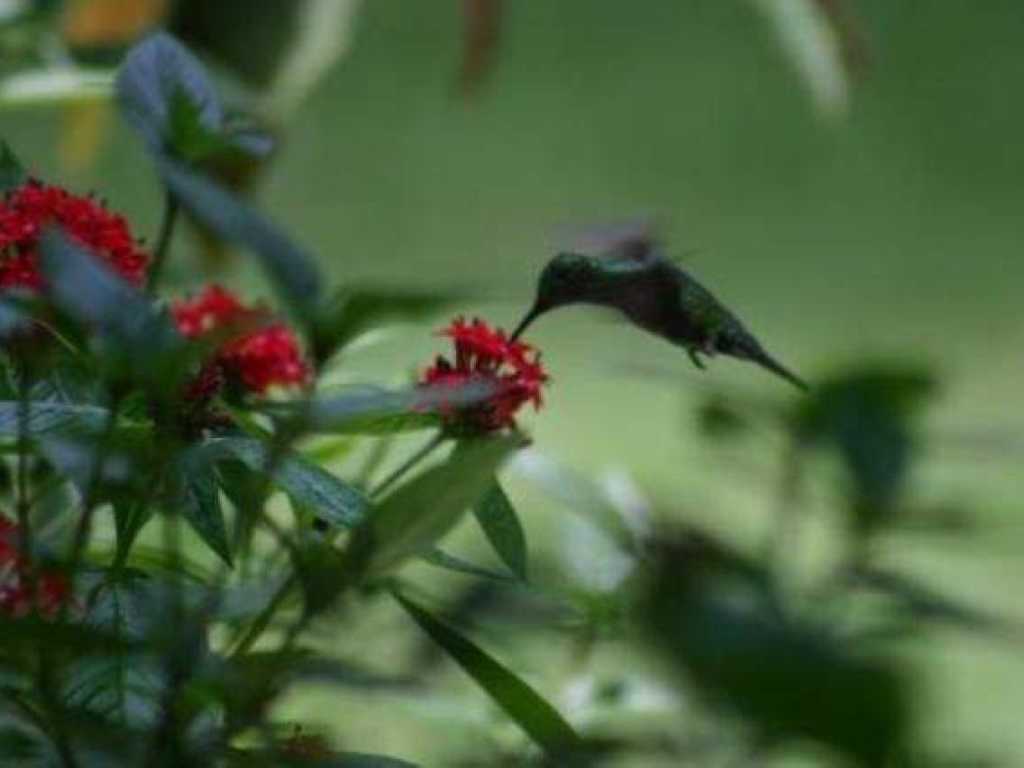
{"type": "Point", "coordinates": [128, 454]}
{"type": "Point", "coordinates": [47, 416]}
{"type": "Point", "coordinates": [143, 341]}
{"type": "Point", "coordinates": [714, 613]}
{"type": "Point", "coordinates": [198, 499]}
{"type": "Point", "coordinates": [377, 411]}
{"type": "Point", "coordinates": [869, 416]}
{"type": "Point", "coordinates": [130, 517]}
{"type": "Point", "coordinates": [360, 760]}
{"type": "Point", "coordinates": [13, 318]}
{"type": "Point", "coordinates": [307, 484]}
{"type": "Point", "coordinates": [198, 143]}
{"type": "Point", "coordinates": [280, 759]}
{"type": "Point", "coordinates": [918, 603]}
{"type": "Point", "coordinates": [500, 523]}
{"type": "Point", "coordinates": [12, 174]}
{"type": "Point", "coordinates": [418, 514]}
{"type": "Point", "coordinates": [292, 271]}
{"type": "Point", "coordinates": [354, 311]}
{"type": "Point", "coordinates": [441, 559]}
{"type": "Point", "coordinates": [154, 74]}
{"type": "Point", "coordinates": [533, 714]}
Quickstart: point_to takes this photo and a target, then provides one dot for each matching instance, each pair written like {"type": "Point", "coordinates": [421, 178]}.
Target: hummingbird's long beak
{"type": "Point", "coordinates": [532, 315]}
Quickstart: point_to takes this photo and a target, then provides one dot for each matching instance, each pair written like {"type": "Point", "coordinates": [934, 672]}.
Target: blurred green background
{"type": "Point", "coordinates": [892, 233]}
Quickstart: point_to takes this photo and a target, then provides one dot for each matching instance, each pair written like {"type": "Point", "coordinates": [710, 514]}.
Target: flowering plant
{"type": "Point", "coordinates": [157, 420]}
{"type": "Point", "coordinates": [192, 518]}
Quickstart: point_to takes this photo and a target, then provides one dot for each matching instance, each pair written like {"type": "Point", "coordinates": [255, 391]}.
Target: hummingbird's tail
{"type": "Point", "coordinates": [746, 347]}
{"type": "Point", "coordinates": [768, 362]}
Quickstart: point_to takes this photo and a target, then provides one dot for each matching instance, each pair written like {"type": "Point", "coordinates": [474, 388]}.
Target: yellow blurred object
{"type": "Point", "coordinates": [99, 23]}
{"type": "Point", "coordinates": [83, 125]}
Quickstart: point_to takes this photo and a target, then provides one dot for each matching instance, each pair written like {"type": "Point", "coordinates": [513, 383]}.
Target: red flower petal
{"type": "Point", "coordinates": [259, 360]}
{"type": "Point", "coordinates": [485, 355]}
{"type": "Point", "coordinates": [27, 209]}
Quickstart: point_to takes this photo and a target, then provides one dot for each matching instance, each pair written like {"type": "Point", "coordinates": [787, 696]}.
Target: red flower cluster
{"type": "Point", "coordinates": [486, 356]}
{"type": "Point", "coordinates": [52, 589]}
{"type": "Point", "coordinates": [26, 210]}
{"type": "Point", "coordinates": [257, 360]}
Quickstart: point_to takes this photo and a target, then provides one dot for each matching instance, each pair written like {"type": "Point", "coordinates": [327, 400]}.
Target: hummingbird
{"type": "Point", "coordinates": [655, 293]}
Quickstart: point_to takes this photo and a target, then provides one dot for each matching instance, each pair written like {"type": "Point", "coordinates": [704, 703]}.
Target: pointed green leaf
{"type": "Point", "coordinates": [377, 411]}
{"type": "Point", "coordinates": [142, 341]}
{"type": "Point", "coordinates": [360, 760]}
{"type": "Point", "coordinates": [196, 141]}
{"type": "Point", "coordinates": [441, 559]}
{"type": "Point", "coordinates": [276, 759]}
{"type": "Point", "coordinates": [500, 523]}
{"type": "Point", "coordinates": [47, 416]}
{"type": "Point", "coordinates": [919, 603]}
{"type": "Point", "coordinates": [12, 174]}
{"type": "Point", "coordinates": [526, 707]}
{"type": "Point", "coordinates": [155, 73]}
{"type": "Point", "coordinates": [715, 614]}
{"type": "Point", "coordinates": [129, 519]}
{"type": "Point", "coordinates": [198, 500]}
{"type": "Point", "coordinates": [291, 269]}
{"type": "Point", "coordinates": [307, 484]}
{"type": "Point", "coordinates": [417, 515]}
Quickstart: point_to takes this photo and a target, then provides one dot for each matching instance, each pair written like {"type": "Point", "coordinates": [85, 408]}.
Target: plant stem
{"type": "Point", "coordinates": [433, 444]}
{"type": "Point", "coordinates": [84, 527]}
{"type": "Point", "coordinates": [44, 676]}
{"type": "Point", "coordinates": [260, 624]}
{"type": "Point", "coordinates": [163, 243]}
{"type": "Point", "coordinates": [23, 504]}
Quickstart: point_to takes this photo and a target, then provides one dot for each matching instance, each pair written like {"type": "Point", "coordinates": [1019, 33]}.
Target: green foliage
{"type": "Point", "coordinates": [714, 615]}
{"type": "Point", "coordinates": [379, 411]}
{"type": "Point", "coordinates": [869, 416]}
{"type": "Point", "coordinates": [291, 269]}
{"type": "Point", "coordinates": [124, 642]}
{"type": "Point", "coordinates": [415, 516]}
{"type": "Point", "coordinates": [309, 486]}
{"type": "Point", "coordinates": [197, 497]}
{"type": "Point", "coordinates": [499, 521]}
{"type": "Point", "coordinates": [11, 172]}
{"type": "Point", "coordinates": [532, 713]}
{"type": "Point", "coordinates": [166, 95]}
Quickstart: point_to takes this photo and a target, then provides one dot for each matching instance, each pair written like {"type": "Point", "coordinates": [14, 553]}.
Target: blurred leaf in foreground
{"type": "Point", "coordinates": [142, 341]}
{"type": "Point", "coordinates": [167, 96]}
{"type": "Point", "coordinates": [869, 415]}
{"type": "Point", "coordinates": [292, 270]}
{"type": "Point", "coordinates": [708, 609]}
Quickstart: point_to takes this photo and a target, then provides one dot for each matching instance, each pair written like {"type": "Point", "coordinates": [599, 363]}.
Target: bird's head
{"type": "Point", "coordinates": [568, 278]}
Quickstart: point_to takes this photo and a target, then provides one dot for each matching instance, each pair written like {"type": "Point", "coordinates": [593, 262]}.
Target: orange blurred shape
{"type": "Point", "coordinates": [101, 23]}
{"type": "Point", "coordinates": [83, 128]}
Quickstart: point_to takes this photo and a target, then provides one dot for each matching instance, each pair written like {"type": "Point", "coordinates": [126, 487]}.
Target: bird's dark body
{"type": "Point", "coordinates": [657, 295]}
